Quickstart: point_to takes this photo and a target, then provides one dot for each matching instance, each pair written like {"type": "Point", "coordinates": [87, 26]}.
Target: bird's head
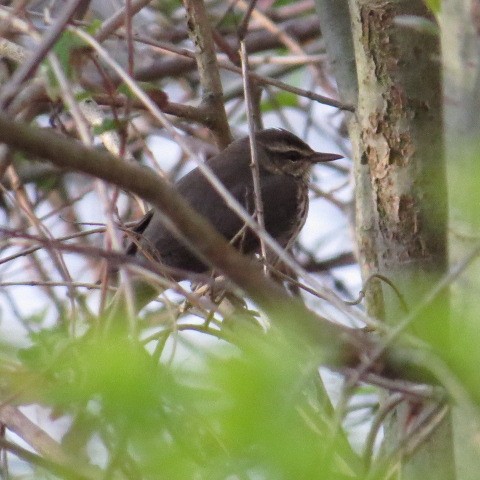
{"type": "Point", "coordinates": [284, 152]}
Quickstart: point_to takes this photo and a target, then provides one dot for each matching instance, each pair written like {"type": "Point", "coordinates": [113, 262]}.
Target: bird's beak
{"type": "Point", "coordinates": [319, 157]}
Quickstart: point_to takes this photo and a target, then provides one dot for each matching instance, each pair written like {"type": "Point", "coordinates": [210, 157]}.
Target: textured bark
{"type": "Point", "coordinates": [401, 192]}
{"type": "Point", "coordinates": [401, 209]}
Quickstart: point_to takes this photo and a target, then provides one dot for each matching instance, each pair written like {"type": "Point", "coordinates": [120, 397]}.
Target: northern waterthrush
{"type": "Point", "coordinates": [285, 163]}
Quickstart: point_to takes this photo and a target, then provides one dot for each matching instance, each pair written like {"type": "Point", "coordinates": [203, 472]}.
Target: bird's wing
{"type": "Point", "coordinates": [279, 196]}
{"type": "Point", "coordinates": [138, 229]}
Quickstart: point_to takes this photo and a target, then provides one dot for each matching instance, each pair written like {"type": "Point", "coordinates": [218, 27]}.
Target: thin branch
{"type": "Point", "coordinates": [242, 29]}
{"type": "Point", "coordinates": [304, 29]}
{"type": "Point", "coordinates": [63, 471]}
{"type": "Point", "coordinates": [392, 402]}
{"type": "Point", "coordinates": [425, 302]}
{"type": "Point", "coordinates": [230, 201]}
{"type": "Point", "coordinates": [27, 70]}
{"type": "Point", "coordinates": [110, 25]}
{"type": "Point", "coordinates": [411, 441]}
{"type": "Point", "coordinates": [285, 38]}
{"type": "Point", "coordinates": [53, 453]}
{"type": "Point", "coordinates": [257, 190]}
{"type": "Point", "coordinates": [339, 260]}
{"type": "Point", "coordinates": [201, 35]}
{"type": "Point", "coordinates": [151, 188]}
{"type": "Point", "coordinates": [339, 345]}
{"type": "Point", "coordinates": [262, 80]}
{"type": "Point", "coordinates": [26, 207]}
{"type": "Point", "coordinates": [33, 283]}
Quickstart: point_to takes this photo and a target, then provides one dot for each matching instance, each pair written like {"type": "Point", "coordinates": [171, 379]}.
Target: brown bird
{"type": "Point", "coordinates": [285, 163]}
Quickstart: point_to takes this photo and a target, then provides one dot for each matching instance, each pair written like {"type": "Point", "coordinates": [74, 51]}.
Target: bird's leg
{"type": "Point", "coordinates": [280, 273]}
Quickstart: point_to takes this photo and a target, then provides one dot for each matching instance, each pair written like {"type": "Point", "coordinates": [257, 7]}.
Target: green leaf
{"type": "Point", "coordinates": [83, 95]}
{"type": "Point", "coordinates": [433, 5]}
{"type": "Point", "coordinates": [111, 124]}
{"type": "Point", "coordinates": [107, 125]}
{"type": "Point", "coordinates": [47, 345]}
{"type": "Point", "coordinates": [125, 89]}
{"type": "Point", "coordinates": [234, 410]}
{"type": "Point", "coordinates": [280, 100]}
{"type": "Point", "coordinates": [65, 46]}
{"type": "Point", "coordinates": [94, 26]}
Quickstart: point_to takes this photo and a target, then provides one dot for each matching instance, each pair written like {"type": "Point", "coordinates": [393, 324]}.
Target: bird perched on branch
{"type": "Point", "coordinates": [285, 163]}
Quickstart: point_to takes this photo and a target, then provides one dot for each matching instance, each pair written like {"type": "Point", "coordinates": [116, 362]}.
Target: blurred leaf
{"type": "Point", "coordinates": [94, 26]}
{"type": "Point", "coordinates": [38, 317]}
{"type": "Point", "coordinates": [125, 90]}
{"type": "Point", "coordinates": [107, 125]}
{"type": "Point", "coordinates": [281, 99]}
{"type": "Point", "coordinates": [83, 95]}
{"type": "Point", "coordinates": [282, 3]}
{"type": "Point", "coordinates": [243, 410]}
{"type": "Point", "coordinates": [167, 7]}
{"type": "Point", "coordinates": [464, 356]}
{"type": "Point", "coordinates": [145, 86]}
{"type": "Point", "coordinates": [47, 344]}
{"type": "Point", "coordinates": [65, 47]}
{"type": "Point", "coordinates": [434, 5]}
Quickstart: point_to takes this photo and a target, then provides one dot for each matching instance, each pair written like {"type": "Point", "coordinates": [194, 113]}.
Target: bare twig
{"type": "Point", "coordinates": [25, 206]}
{"type": "Point", "coordinates": [33, 283]}
{"type": "Point", "coordinates": [427, 300]}
{"type": "Point", "coordinates": [118, 19]}
{"type": "Point", "coordinates": [262, 80]}
{"type": "Point", "coordinates": [54, 455]}
{"type": "Point", "coordinates": [212, 102]}
{"type": "Point", "coordinates": [340, 260]}
{"type": "Point", "coordinates": [27, 69]}
{"type": "Point", "coordinates": [391, 402]}
{"type": "Point", "coordinates": [412, 439]}
{"type": "Point", "coordinates": [230, 201]}
{"type": "Point", "coordinates": [340, 345]}
{"type": "Point", "coordinates": [253, 147]}
{"type": "Point", "coordinates": [242, 29]}
{"type": "Point", "coordinates": [283, 36]}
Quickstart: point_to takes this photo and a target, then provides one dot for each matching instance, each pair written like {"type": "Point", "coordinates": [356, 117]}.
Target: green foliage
{"type": "Point", "coordinates": [83, 95]}
{"type": "Point", "coordinates": [434, 5]}
{"type": "Point", "coordinates": [38, 317]}
{"type": "Point", "coordinates": [248, 409]}
{"type": "Point", "coordinates": [281, 99]}
{"type": "Point", "coordinates": [94, 26]}
{"type": "Point", "coordinates": [148, 87]}
{"type": "Point", "coordinates": [107, 125]}
{"type": "Point", "coordinates": [125, 90]}
{"type": "Point", "coordinates": [167, 7]}
{"type": "Point", "coordinates": [65, 46]}
{"type": "Point", "coordinates": [281, 3]}
{"type": "Point", "coordinates": [464, 357]}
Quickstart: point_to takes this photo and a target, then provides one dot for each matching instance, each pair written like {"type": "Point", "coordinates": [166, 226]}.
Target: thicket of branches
{"type": "Point", "coordinates": [219, 377]}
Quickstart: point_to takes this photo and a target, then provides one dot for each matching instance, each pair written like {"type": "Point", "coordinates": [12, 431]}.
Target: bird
{"type": "Point", "coordinates": [285, 163]}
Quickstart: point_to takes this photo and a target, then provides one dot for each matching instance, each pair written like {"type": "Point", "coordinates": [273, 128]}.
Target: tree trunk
{"type": "Point", "coordinates": [401, 199]}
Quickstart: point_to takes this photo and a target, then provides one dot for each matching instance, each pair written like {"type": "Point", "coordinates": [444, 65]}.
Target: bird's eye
{"type": "Point", "coordinates": [294, 155]}
{"type": "Point", "coordinates": [287, 155]}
